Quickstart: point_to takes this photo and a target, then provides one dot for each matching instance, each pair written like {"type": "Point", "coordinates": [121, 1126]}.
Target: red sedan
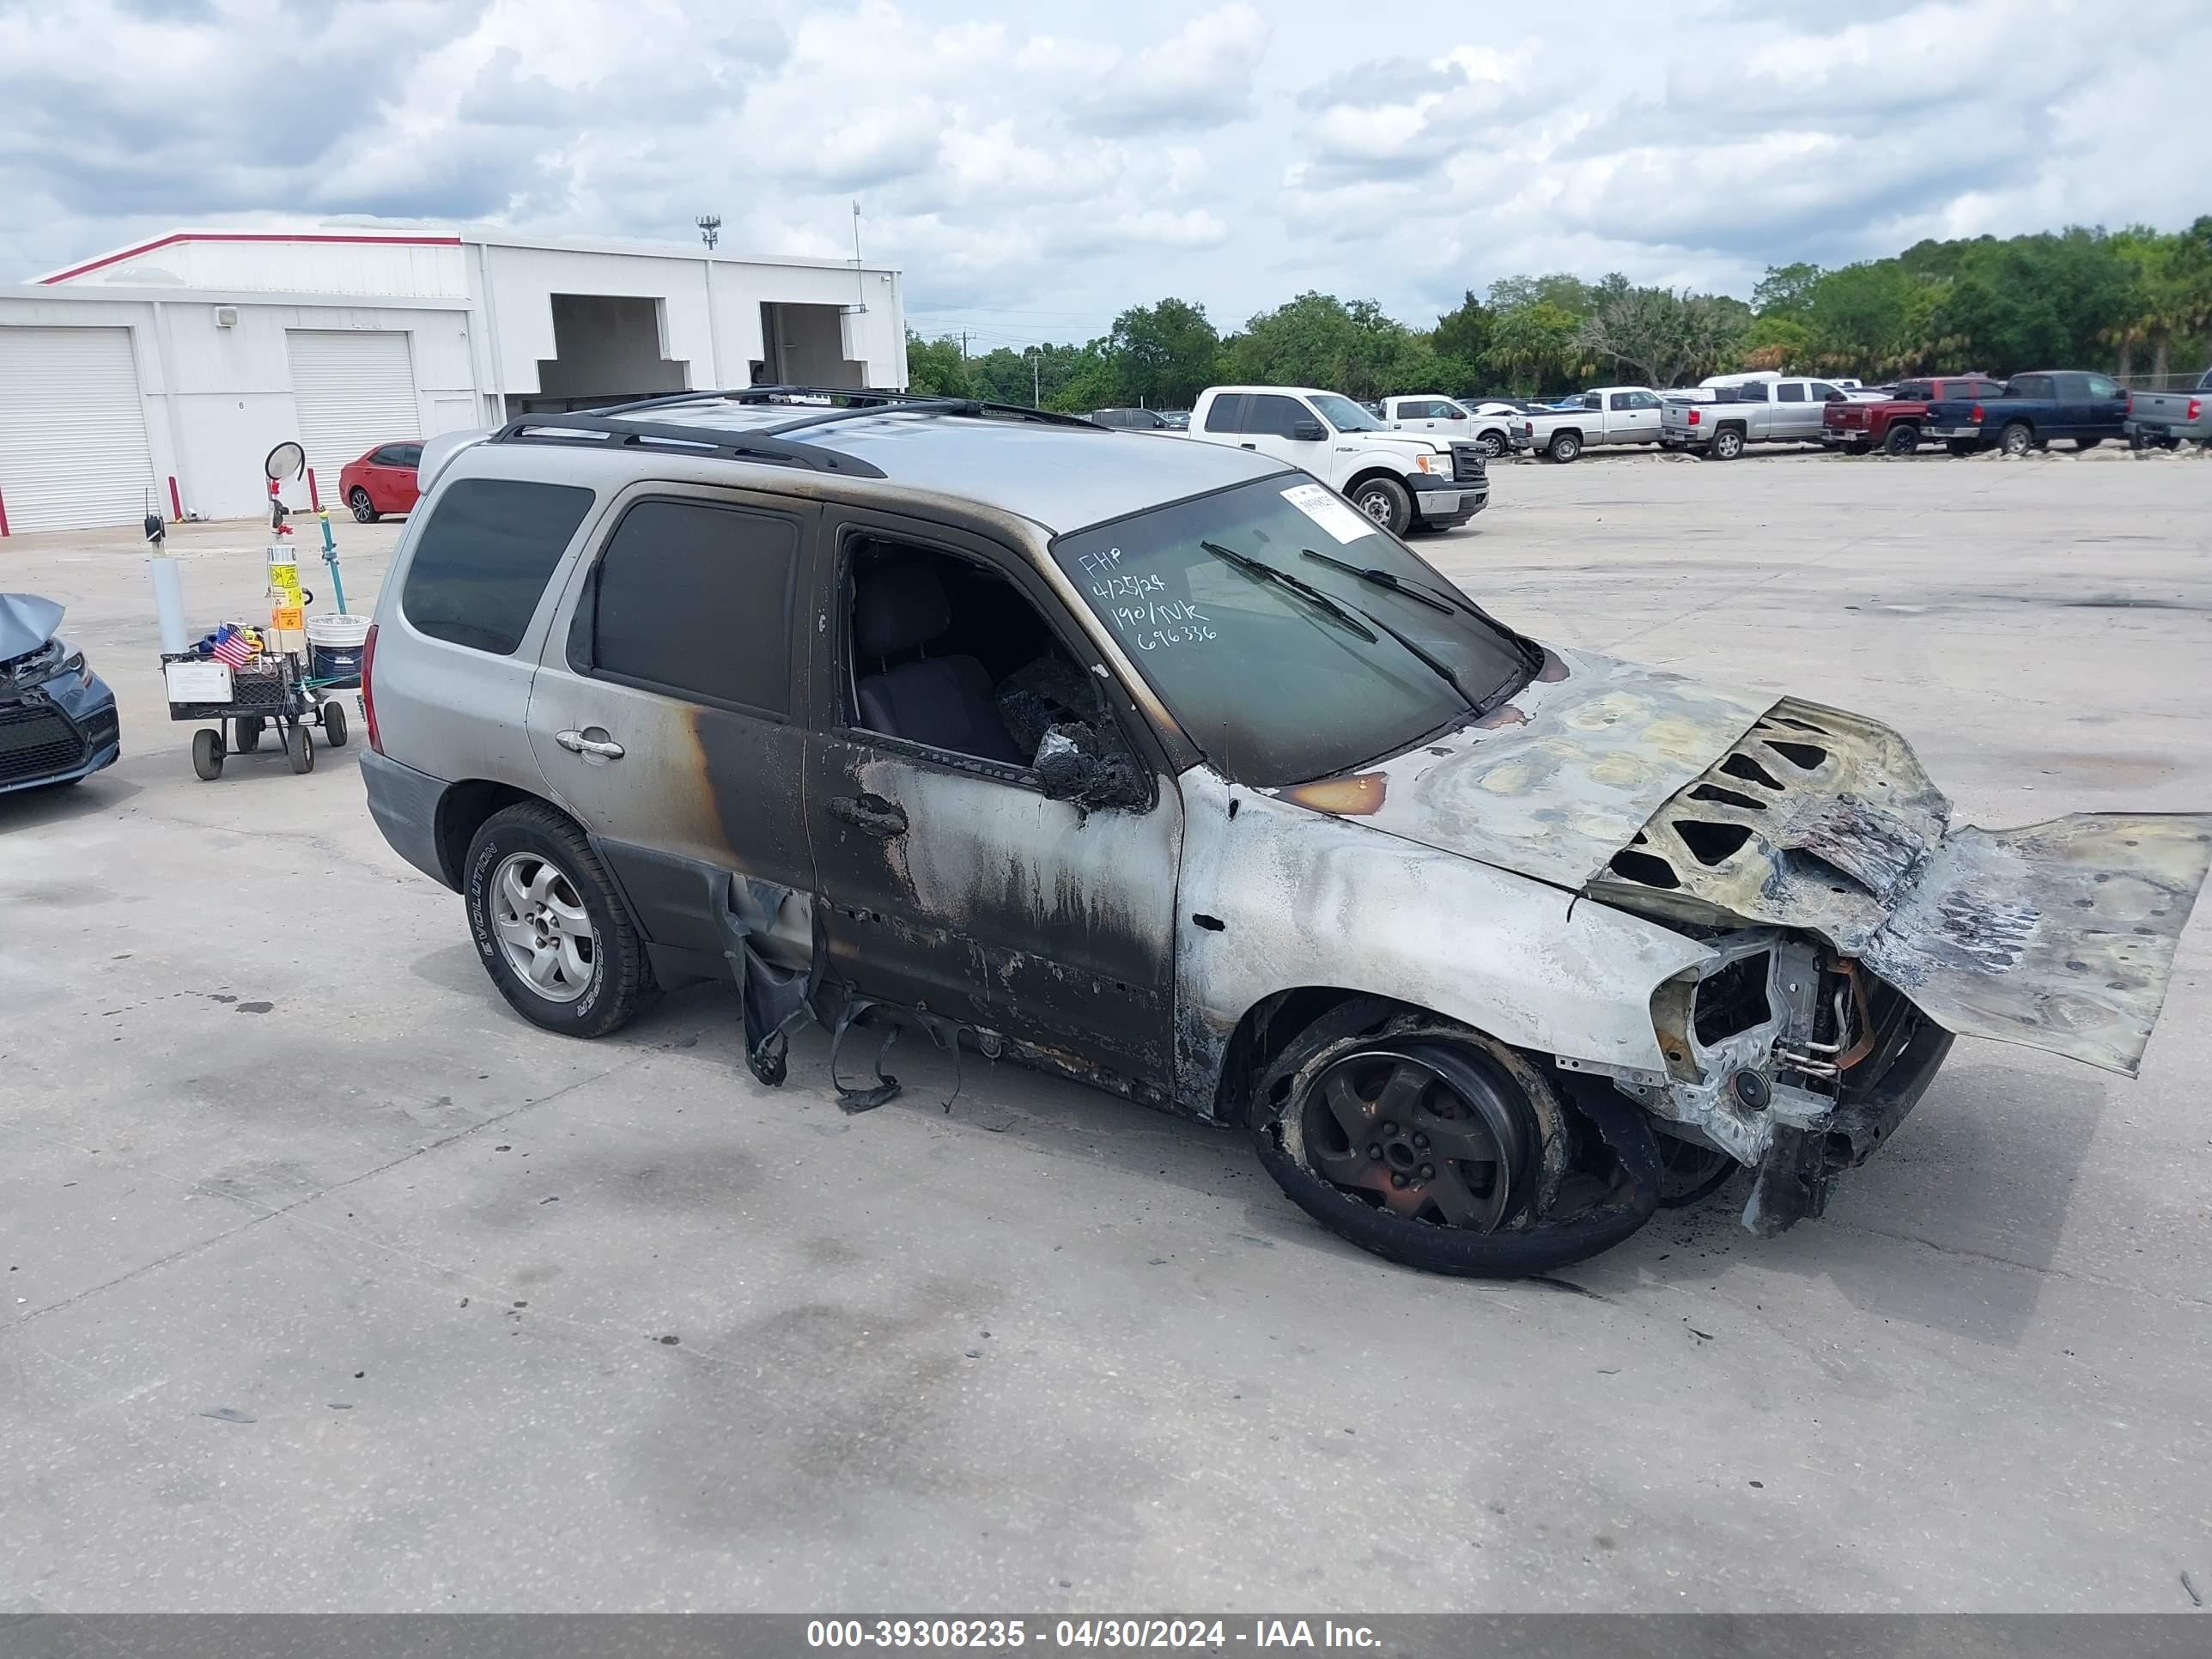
{"type": "Point", "coordinates": [381, 481]}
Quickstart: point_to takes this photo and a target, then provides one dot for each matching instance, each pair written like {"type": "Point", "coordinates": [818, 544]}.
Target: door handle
{"type": "Point", "coordinates": [871, 815]}
{"type": "Point", "coordinates": [577, 744]}
{"type": "Point", "coordinates": [1248, 445]}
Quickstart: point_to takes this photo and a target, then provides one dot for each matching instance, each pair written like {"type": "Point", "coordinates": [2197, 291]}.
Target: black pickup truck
{"type": "Point", "coordinates": [2032, 409]}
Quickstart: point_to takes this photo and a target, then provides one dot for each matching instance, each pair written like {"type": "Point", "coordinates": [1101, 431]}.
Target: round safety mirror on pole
{"type": "Point", "coordinates": [286, 460]}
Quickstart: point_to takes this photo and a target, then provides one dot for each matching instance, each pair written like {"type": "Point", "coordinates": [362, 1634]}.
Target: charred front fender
{"type": "Point", "coordinates": [1275, 896]}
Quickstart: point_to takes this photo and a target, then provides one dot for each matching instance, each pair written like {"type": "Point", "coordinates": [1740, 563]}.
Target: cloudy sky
{"type": "Point", "coordinates": [1033, 169]}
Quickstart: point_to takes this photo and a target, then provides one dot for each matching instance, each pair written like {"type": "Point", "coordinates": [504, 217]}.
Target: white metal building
{"type": "Point", "coordinates": [163, 373]}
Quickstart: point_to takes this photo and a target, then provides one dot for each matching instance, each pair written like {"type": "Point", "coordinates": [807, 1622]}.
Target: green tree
{"type": "Point", "coordinates": [1561, 289]}
{"type": "Point", "coordinates": [1785, 290]}
{"type": "Point", "coordinates": [1662, 337]}
{"type": "Point", "coordinates": [1319, 340]}
{"type": "Point", "coordinates": [1460, 340]}
{"type": "Point", "coordinates": [1533, 344]}
{"type": "Point", "coordinates": [935, 366]}
{"type": "Point", "coordinates": [1163, 355]}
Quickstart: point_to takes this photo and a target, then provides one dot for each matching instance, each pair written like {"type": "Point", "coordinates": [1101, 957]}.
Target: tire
{"type": "Point", "coordinates": [1386, 501]}
{"type": "Point", "coordinates": [2081, 444]}
{"type": "Point", "coordinates": [1728, 443]}
{"type": "Point", "coordinates": [299, 749]}
{"type": "Point", "coordinates": [1564, 447]}
{"type": "Point", "coordinates": [1859, 447]}
{"type": "Point", "coordinates": [1904, 438]}
{"type": "Point", "coordinates": [364, 510]}
{"type": "Point", "coordinates": [249, 733]}
{"type": "Point", "coordinates": [1549, 1214]}
{"type": "Point", "coordinates": [334, 723]}
{"type": "Point", "coordinates": [1492, 444]}
{"type": "Point", "coordinates": [617, 983]}
{"type": "Point", "coordinates": [2018, 438]}
{"type": "Point", "coordinates": [207, 754]}
{"type": "Point", "coordinates": [1960, 447]}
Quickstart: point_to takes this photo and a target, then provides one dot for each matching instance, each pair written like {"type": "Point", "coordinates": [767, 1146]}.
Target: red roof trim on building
{"type": "Point", "coordinates": [246, 236]}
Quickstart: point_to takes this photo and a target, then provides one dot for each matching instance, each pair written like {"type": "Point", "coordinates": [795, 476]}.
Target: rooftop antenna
{"type": "Point", "coordinates": [859, 287]}
{"type": "Point", "coordinates": [710, 229]}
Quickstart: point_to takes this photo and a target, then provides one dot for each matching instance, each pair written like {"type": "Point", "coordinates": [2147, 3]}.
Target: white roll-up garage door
{"type": "Point", "coordinates": [355, 389]}
{"type": "Point", "coordinates": [72, 430]}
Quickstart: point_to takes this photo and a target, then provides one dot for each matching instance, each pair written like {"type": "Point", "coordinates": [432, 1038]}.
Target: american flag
{"type": "Point", "coordinates": [235, 646]}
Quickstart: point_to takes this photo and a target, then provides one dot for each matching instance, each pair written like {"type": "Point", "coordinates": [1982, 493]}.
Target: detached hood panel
{"type": "Point", "coordinates": [1710, 808]}
{"type": "Point", "coordinates": [27, 621]}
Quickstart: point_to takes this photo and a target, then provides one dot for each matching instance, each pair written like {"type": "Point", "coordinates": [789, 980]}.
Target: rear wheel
{"type": "Point", "coordinates": [363, 508]}
{"type": "Point", "coordinates": [1386, 501]}
{"type": "Point", "coordinates": [249, 734]}
{"type": "Point", "coordinates": [1728, 443]}
{"type": "Point", "coordinates": [2086, 443]}
{"type": "Point", "coordinates": [299, 749]}
{"type": "Point", "coordinates": [1859, 446]}
{"type": "Point", "coordinates": [334, 723]}
{"type": "Point", "coordinates": [550, 929]}
{"type": "Point", "coordinates": [2019, 438]}
{"type": "Point", "coordinates": [1960, 446]}
{"type": "Point", "coordinates": [1903, 440]}
{"type": "Point", "coordinates": [1432, 1145]}
{"type": "Point", "coordinates": [1564, 447]}
{"type": "Point", "coordinates": [207, 754]}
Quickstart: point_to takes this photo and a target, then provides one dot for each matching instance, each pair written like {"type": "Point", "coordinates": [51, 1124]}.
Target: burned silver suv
{"type": "Point", "coordinates": [1158, 766]}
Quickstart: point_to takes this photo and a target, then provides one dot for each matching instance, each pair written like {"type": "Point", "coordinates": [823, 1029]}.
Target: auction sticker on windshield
{"type": "Point", "coordinates": [1329, 509]}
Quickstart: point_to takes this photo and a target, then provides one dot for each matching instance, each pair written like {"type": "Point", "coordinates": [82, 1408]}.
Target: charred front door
{"type": "Point", "coordinates": [950, 882]}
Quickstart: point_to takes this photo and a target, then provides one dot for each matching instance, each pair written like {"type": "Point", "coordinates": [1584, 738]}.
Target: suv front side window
{"type": "Point", "coordinates": [1271, 414]}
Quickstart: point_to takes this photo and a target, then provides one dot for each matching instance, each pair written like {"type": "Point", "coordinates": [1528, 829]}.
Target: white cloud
{"type": "Point", "coordinates": [1035, 170]}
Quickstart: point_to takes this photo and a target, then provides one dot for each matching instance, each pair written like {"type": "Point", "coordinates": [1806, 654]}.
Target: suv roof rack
{"type": "Point", "coordinates": [596, 429]}
{"type": "Point", "coordinates": [857, 403]}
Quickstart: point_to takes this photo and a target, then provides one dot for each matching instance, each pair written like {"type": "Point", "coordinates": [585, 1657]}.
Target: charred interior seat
{"type": "Point", "coordinates": [898, 607]}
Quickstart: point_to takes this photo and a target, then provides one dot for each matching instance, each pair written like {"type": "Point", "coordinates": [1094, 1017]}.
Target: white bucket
{"type": "Point", "coordinates": [334, 648]}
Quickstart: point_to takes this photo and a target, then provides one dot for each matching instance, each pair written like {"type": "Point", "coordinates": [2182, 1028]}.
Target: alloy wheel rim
{"type": "Point", "coordinates": [1420, 1133]}
{"type": "Point", "coordinates": [1376, 505]}
{"type": "Point", "coordinates": [543, 928]}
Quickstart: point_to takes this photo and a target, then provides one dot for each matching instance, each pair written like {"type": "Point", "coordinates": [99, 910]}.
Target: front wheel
{"type": "Point", "coordinates": [1902, 440]}
{"type": "Point", "coordinates": [249, 733]}
{"type": "Point", "coordinates": [364, 510]}
{"type": "Point", "coordinates": [1492, 444]}
{"type": "Point", "coordinates": [299, 749]}
{"type": "Point", "coordinates": [1728, 443]}
{"type": "Point", "coordinates": [334, 723]}
{"type": "Point", "coordinates": [2086, 443]}
{"type": "Point", "coordinates": [1387, 503]}
{"type": "Point", "coordinates": [2019, 438]}
{"type": "Point", "coordinates": [1565, 446]}
{"type": "Point", "coordinates": [1431, 1145]}
{"type": "Point", "coordinates": [549, 927]}
{"type": "Point", "coordinates": [207, 754]}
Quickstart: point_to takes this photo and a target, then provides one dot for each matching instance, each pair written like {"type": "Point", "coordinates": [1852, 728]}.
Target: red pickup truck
{"type": "Point", "coordinates": [1896, 424]}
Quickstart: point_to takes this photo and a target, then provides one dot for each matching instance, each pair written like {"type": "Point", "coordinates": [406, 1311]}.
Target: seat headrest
{"type": "Point", "coordinates": [897, 605]}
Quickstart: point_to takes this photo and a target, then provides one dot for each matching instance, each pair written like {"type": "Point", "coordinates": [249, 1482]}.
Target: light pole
{"type": "Point", "coordinates": [1035, 354]}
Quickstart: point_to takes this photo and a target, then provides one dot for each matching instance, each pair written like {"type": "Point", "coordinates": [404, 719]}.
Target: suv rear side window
{"type": "Point", "coordinates": [1226, 413]}
{"type": "Point", "coordinates": [695, 597]}
{"type": "Point", "coordinates": [481, 567]}
{"type": "Point", "coordinates": [1790, 391]}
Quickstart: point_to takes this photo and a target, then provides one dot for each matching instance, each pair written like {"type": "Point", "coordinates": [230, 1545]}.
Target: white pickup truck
{"type": "Point", "coordinates": [1400, 481]}
{"type": "Point", "coordinates": [1494, 427]}
{"type": "Point", "coordinates": [1610, 415]}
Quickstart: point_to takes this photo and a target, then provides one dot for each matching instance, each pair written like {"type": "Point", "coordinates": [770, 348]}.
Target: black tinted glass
{"type": "Point", "coordinates": [697, 598]}
{"type": "Point", "coordinates": [1223, 413]}
{"type": "Point", "coordinates": [1272, 415]}
{"type": "Point", "coordinates": [482, 564]}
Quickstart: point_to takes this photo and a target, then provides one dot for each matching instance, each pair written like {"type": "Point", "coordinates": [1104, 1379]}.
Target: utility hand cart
{"type": "Point", "coordinates": [244, 702]}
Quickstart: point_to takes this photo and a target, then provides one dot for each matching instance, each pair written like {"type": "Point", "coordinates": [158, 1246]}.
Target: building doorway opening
{"type": "Point", "coordinates": [606, 349]}
{"type": "Point", "coordinates": [804, 345]}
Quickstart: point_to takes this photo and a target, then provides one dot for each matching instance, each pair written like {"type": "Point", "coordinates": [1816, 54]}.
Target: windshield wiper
{"type": "Point", "coordinates": [1528, 650]}
{"type": "Point", "coordinates": [1418, 592]}
{"type": "Point", "coordinates": [1348, 615]}
{"type": "Point", "coordinates": [1283, 579]}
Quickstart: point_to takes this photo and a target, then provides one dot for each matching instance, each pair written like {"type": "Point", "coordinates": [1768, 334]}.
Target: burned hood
{"type": "Point", "coordinates": [1713, 808]}
{"type": "Point", "coordinates": [1555, 780]}
{"type": "Point", "coordinates": [27, 621]}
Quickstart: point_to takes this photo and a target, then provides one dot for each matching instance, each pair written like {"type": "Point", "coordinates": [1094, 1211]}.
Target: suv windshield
{"type": "Point", "coordinates": [1275, 688]}
{"type": "Point", "coordinates": [1345, 415]}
